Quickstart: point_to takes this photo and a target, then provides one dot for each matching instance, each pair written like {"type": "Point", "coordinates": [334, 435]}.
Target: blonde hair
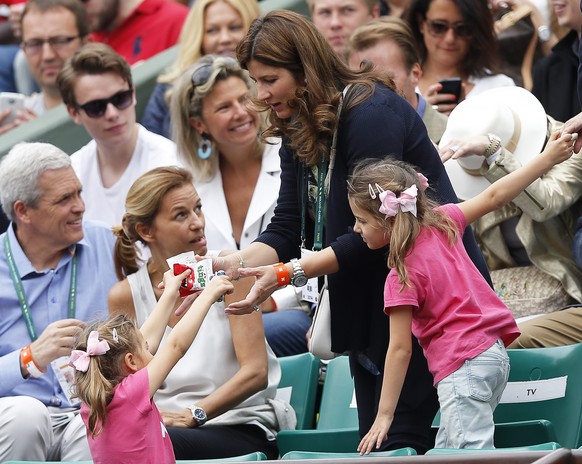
{"type": "Point", "coordinates": [404, 228]}
{"type": "Point", "coordinates": [95, 386]}
{"type": "Point", "coordinates": [192, 35]}
{"type": "Point", "coordinates": [188, 101]}
{"type": "Point", "coordinates": [288, 40]}
{"type": "Point", "coordinates": [142, 205]}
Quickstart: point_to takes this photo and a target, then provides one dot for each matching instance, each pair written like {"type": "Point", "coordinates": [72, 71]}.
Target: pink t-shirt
{"type": "Point", "coordinates": [134, 432]}
{"type": "Point", "coordinates": [456, 314]}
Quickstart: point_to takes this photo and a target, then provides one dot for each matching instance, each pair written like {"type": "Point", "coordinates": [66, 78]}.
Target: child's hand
{"type": "Point", "coordinates": [218, 286]}
{"type": "Point", "coordinates": [560, 147]}
{"type": "Point", "coordinates": [376, 435]}
{"type": "Point", "coordinates": [171, 283]}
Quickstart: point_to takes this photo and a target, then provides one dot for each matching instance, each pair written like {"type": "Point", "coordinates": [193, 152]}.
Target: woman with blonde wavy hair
{"type": "Point", "coordinates": [300, 83]}
{"type": "Point", "coordinates": [211, 27]}
{"type": "Point", "coordinates": [236, 175]}
{"type": "Point", "coordinates": [234, 389]}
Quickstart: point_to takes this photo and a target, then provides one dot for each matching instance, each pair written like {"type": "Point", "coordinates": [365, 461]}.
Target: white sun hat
{"type": "Point", "coordinates": [513, 114]}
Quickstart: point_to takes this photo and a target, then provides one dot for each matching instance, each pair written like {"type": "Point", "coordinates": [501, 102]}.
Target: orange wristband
{"type": "Point", "coordinates": [28, 362]}
{"type": "Point", "coordinates": [282, 275]}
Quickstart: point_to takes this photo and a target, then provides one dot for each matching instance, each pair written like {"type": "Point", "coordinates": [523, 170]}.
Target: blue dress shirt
{"type": "Point", "coordinates": [47, 293]}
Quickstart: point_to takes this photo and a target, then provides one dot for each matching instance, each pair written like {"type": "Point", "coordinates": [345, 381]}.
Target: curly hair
{"type": "Point", "coordinates": [288, 40]}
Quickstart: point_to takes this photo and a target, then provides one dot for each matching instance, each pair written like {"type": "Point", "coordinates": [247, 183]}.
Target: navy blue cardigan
{"type": "Point", "coordinates": [384, 124]}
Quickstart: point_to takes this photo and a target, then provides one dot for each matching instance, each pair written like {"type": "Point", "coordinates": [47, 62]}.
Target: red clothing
{"type": "Point", "coordinates": [151, 28]}
{"type": "Point", "coordinates": [134, 432]}
{"type": "Point", "coordinates": [456, 314]}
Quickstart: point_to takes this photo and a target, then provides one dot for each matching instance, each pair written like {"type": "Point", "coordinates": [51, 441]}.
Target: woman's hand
{"type": "Point", "coordinates": [437, 100]}
{"type": "Point", "coordinates": [264, 286]}
{"type": "Point", "coordinates": [182, 419]}
{"type": "Point", "coordinates": [456, 148]}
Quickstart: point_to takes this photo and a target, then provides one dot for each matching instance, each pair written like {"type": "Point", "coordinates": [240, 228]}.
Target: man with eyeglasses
{"type": "Point", "coordinates": [337, 19]}
{"type": "Point", "coordinates": [52, 30]}
{"type": "Point", "coordinates": [97, 88]}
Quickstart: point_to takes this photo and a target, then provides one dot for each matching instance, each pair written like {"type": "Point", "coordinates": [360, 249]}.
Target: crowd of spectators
{"type": "Point", "coordinates": [202, 125]}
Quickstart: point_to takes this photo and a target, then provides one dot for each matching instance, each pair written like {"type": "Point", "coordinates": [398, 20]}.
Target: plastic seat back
{"type": "Point", "coordinates": [338, 408]}
{"type": "Point", "coordinates": [300, 375]}
{"type": "Point", "coordinates": [546, 383]}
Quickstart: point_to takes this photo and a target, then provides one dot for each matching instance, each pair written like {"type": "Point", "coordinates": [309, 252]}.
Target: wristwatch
{"type": "Point", "coordinates": [198, 414]}
{"type": "Point", "coordinates": [299, 278]}
{"type": "Point", "coordinates": [544, 33]}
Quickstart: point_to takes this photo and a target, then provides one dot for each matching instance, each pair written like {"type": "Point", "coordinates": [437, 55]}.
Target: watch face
{"type": "Point", "coordinates": [300, 280]}
{"type": "Point", "coordinates": [199, 415]}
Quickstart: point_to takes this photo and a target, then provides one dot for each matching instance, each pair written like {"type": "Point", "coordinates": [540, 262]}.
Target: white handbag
{"type": "Point", "coordinates": [320, 334]}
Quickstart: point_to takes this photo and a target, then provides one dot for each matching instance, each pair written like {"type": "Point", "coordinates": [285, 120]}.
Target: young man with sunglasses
{"type": "Point", "coordinates": [52, 30]}
{"type": "Point", "coordinates": [97, 87]}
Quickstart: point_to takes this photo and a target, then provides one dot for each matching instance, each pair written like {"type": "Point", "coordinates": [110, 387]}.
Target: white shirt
{"type": "Point", "coordinates": [108, 204]}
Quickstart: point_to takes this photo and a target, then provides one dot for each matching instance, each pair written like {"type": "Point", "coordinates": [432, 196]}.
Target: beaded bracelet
{"type": "Point", "coordinates": [494, 145]}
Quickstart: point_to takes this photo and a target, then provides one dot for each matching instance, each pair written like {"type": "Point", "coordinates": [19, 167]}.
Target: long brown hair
{"type": "Point", "coordinates": [404, 228]}
{"type": "Point", "coordinates": [288, 40]}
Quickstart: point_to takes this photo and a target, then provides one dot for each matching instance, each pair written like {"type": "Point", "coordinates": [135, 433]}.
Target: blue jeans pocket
{"type": "Point", "coordinates": [487, 371]}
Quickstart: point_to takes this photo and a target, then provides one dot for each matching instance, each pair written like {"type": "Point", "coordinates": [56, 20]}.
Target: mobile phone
{"type": "Point", "coordinates": [451, 85]}
{"type": "Point", "coordinates": [13, 101]}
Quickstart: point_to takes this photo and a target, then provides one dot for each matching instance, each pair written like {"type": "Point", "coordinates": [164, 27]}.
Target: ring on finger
{"type": "Point", "coordinates": [256, 308]}
{"type": "Point", "coordinates": [454, 149]}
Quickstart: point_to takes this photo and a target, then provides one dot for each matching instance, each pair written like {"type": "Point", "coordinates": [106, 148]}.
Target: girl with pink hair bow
{"type": "Point", "coordinates": [434, 292]}
{"type": "Point", "coordinates": [118, 368]}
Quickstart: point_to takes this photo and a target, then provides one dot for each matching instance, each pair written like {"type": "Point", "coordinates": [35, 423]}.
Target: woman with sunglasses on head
{"type": "Point", "coordinates": [236, 175]}
{"type": "Point", "coordinates": [300, 83]}
{"type": "Point", "coordinates": [97, 88]}
{"type": "Point", "coordinates": [456, 40]}
{"type": "Point", "coordinates": [211, 27]}
{"type": "Point", "coordinates": [219, 399]}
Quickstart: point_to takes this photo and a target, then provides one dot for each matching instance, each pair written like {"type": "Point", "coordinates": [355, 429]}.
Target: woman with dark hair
{"type": "Point", "coordinates": [455, 39]}
{"type": "Point", "coordinates": [301, 84]}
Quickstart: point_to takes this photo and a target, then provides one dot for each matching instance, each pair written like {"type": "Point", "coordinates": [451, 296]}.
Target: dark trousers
{"type": "Point", "coordinates": [213, 442]}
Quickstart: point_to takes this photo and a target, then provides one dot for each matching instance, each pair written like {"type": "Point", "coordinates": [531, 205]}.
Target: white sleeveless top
{"type": "Point", "coordinates": [209, 363]}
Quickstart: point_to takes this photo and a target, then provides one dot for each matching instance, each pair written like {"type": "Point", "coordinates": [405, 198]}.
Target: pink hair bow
{"type": "Point", "coordinates": [95, 347]}
{"type": "Point", "coordinates": [423, 181]}
{"type": "Point", "coordinates": [406, 202]}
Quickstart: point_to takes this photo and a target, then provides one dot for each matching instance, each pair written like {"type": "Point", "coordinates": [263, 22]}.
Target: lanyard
{"type": "Point", "coordinates": [323, 185]}
{"type": "Point", "coordinates": [22, 296]}
{"type": "Point", "coordinates": [319, 205]}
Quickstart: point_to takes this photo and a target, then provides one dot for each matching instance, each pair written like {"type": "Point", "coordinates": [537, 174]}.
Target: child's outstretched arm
{"type": "Point", "coordinates": [185, 331]}
{"type": "Point", "coordinates": [395, 367]}
{"type": "Point", "coordinates": [155, 325]}
{"type": "Point", "coordinates": [501, 192]}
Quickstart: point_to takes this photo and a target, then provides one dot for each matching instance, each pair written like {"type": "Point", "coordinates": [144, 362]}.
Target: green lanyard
{"type": "Point", "coordinates": [22, 297]}
{"type": "Point", "coordinates": [319, 205]}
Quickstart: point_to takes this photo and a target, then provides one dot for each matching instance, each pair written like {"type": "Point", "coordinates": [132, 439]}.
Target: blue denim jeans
{"type": "Point", "coordinates": [468, 398]}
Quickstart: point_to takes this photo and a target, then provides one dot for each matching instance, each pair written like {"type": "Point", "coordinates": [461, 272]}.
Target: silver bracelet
{"type": "Point", "coordinates": [241, 264]}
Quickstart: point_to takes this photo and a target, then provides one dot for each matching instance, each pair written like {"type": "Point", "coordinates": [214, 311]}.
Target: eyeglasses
{"type": "Point", "coordinates": [96, 108]}
{"type": "Point", "coordinates": [57, 43]}
{"type": "Point", "coordinates": [201, 74]}
{"type": "Point", "coordinates": [438, 28]}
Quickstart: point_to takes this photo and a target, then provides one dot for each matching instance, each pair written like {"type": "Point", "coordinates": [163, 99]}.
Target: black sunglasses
{"type": "Point", "coordinates": [439, 28]}
{"type": "Point", "coordinates": [96, 108]}
{"type": "Point", "coordinates": [201, 74]}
